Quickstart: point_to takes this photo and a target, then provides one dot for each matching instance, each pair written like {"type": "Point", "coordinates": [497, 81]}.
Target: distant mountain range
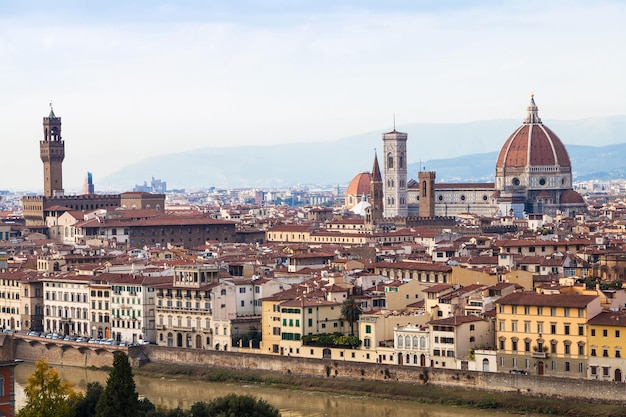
{"type": "Point", "coordinates": [451, 150]}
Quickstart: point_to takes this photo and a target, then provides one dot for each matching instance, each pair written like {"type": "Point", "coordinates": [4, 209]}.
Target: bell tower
{"type": "Point", "coordinates": [52, 153]}
{"type": "Point", "coordinates": [395, 185]}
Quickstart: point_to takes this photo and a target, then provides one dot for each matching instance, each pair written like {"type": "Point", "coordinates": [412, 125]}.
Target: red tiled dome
{"type": "Point", "coordinates": [572, 197]}
{"type": "Point", "coordinates": [533, 144]}
{"type": "Point", "coordinates": [360, 184]}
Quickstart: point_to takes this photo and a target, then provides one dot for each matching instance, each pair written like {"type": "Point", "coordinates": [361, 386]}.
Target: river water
{"type": "Point", "coordinates": [172, 393]}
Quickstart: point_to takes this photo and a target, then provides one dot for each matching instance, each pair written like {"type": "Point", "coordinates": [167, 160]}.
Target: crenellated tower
{"type": "Point", "coordinates": [427, 193]}
{"type": "Point", "coordinates": [52, 153]}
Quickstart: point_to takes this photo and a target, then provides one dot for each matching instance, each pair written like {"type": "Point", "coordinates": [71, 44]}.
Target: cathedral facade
{"type": "Point", "coordinates": [533, 175]}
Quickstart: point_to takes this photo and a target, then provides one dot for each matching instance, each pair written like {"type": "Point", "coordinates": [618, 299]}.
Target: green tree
{"type": "Point", "coordinates": [351, 311]}
{"type": "Point", "coordinates": [86, 407]}
{"type": "Point", "coordinates": [47, 395]}
{"type": "Point", "coordinates": [234, 405]}
{"type": "Point", "coordinates": [120, 398]}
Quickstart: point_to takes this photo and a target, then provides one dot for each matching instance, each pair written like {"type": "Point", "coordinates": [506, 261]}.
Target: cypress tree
{"type": "Point", "coordinates": [120, 398]}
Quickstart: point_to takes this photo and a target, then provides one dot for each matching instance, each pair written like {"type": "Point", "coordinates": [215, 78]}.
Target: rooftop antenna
{"type": "Point", "coordinates": [394, 122]}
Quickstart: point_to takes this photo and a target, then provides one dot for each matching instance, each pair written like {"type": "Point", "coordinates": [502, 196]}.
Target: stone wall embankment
{"type": "Point", "coordinates": [484, 381]}
{"type": "Point", "coordinates": [84, 356]}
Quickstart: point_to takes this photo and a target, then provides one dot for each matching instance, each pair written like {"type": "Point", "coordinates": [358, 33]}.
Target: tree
{"type": "Point", "coordinates": [120, 398]}
{"type": "Point", "coordinates": [234, 405]}
{"type": "Point", "coordinates": [47, 395]}
{"type": "Point", "coordinates": [351, 311]}
{"type": "Point", "coordinates": [86, 407]}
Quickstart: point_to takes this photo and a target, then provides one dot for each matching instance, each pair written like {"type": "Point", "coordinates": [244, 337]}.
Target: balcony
{"type": "Point", "coordinates": [540, 355]}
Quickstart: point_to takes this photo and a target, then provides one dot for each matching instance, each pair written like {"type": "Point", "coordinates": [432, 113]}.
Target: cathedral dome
{"type": "Point", "coordinates": [533, 145]}
{"type": "Point", "coordinates": [359, 187]}
{"type": "Point", "coordinates": [572, 197]}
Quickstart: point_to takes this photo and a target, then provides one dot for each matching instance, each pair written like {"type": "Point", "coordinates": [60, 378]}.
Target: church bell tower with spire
{"type": "Point", "coordinates": [52, 153]}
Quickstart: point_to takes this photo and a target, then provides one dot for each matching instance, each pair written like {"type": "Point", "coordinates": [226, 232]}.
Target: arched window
{"type": "Point", "coordinates": [389, 161]}
{"type": "Point", "coordinates": [400, 339]}
{"type": "Point", "coordinates": [401, 161]}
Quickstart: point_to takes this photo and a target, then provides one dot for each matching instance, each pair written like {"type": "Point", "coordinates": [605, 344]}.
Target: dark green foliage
{"type": "Point", "coordinates": [233, 405]}
{"type": "Point", "coordinates": [331, 340]}
{"type": "Point", "coordinates": [87, 406]}
{"type": "Point", "coordinates": [120, 398]}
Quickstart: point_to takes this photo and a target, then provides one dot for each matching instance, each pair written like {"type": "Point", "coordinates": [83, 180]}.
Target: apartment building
{"type": "Point", "coordinates": [606, 348]}
{"type": "Point", "coordinates": [544, 334]}
{"type": "Point", "coordinates": [66, 304]}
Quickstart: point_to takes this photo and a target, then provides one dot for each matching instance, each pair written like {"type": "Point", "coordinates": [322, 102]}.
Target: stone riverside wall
{"type": "Point", "coordinates": [486, 381]}
{"type": "Point", "coordinates": [82, 356]}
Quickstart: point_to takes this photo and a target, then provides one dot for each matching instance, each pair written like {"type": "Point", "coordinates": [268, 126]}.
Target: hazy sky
{"type": "Point", "coordinates": [132, 79]}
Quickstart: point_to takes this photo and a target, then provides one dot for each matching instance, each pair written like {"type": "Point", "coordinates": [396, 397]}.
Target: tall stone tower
{"type": "Point", "coordinates": [376, 195]}
{"type": "Point", "coordinates": [427, 193]}
{"type": "Point", "coordinates": [52, 153]}
{"type": "Point", "coordinates": [394, 150]}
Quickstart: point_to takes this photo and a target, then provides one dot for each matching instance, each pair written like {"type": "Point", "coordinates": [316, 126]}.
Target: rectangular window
{"type": "Point", "coordinates": [566, 366]}
{"type": "Point", "coordinates": [567, 349]}
{"type": "Point", "coordinates": [553, 311]}
{"type": "Point", "coordinates": [501, 325]}
{"type": "Point", "coordinates": [581, 330]}
{"type": "Point", "coordinates": [605, 333]}
{"type": "Point", "coordinates": [514, 326]}
{"type": "Point", "coordinates": [552, 328]}
{"type": "Point", "coordinates": [539, 327]}
{"type": "Point", "coordinates": [368, 329]}
{"type": "Point", "coordinates": [526, 327]}
{"type": "Point", "coordinates": [514, 309]}
{"type": "Point", "coordinates": [616, 333]}
{"type": "Point", "coordinates": [566, 311]}
{"type": "Point", "coordinates": [581, 350]}
{"type": "Point", "coordinates": [593, 332]}
{"type": "Point", "coordinates": [566, 328]}
{"type": "Point", "coordinates": [580, 366]}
